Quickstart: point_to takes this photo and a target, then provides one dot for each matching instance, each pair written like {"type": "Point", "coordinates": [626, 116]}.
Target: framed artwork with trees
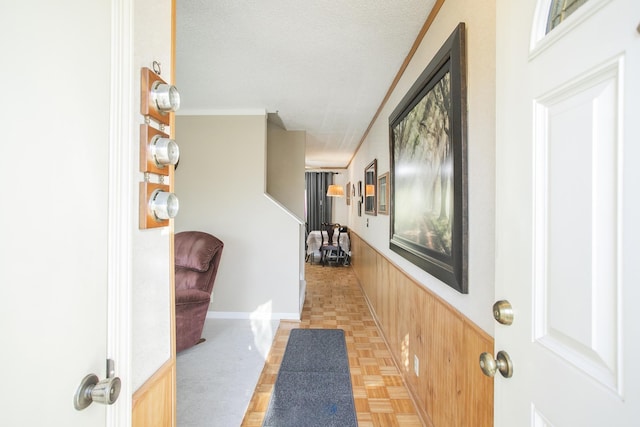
{"type": "Point", "coordinates": [428, 151]}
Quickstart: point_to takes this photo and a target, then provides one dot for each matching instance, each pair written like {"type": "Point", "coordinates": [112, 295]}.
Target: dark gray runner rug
{"type": "Point", "coordinates": [313, 387]}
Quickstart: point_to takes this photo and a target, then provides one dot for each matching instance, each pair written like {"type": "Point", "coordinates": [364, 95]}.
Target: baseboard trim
{"type": "Point", "coordinates": [303, 295]}
{"type": "Point", "coordinates": [251, 315]}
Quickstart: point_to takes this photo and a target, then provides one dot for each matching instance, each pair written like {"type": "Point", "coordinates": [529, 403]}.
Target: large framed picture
{"type": "Point", "coordinates": [428, 150]}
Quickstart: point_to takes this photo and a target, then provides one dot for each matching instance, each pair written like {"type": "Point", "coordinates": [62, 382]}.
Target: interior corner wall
{"type": "Point", "coordinates": [220, 183]}
{"type": "Point", "coordinates": [150, 294]}
{"type": "Point", "coordinates": [285, 167]}
{"type": "Point", "coordinates": [479, 17]}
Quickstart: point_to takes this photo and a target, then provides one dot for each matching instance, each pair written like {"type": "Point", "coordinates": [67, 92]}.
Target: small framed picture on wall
{"type": "Point", "coordinates": [383, 194]}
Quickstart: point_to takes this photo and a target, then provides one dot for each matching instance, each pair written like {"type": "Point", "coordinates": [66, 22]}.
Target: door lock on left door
{"type": "Point", "coordinates": [503, 312]}
{"type": "Point", "coordinates": [92, 390]}
{"type": "Point", "coordinates": [502, 363]}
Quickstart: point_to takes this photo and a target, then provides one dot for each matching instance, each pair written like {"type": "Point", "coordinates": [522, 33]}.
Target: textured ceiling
{"type": "Point", "coordinates": [324, 66]}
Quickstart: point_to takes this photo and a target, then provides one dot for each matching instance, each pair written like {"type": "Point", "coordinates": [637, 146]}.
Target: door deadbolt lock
{"type": "Point", "coordinates": [92, 390]}
{"type": "Point", "coordinates": [503, 312]}
{"type": "Point", "coordinates": [502, 363]}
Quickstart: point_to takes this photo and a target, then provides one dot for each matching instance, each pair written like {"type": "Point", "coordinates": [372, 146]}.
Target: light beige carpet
{"type": "Point", "coordinates": [216, 379]}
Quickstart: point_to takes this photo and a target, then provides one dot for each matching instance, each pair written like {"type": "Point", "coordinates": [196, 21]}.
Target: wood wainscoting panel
{"type": "Point", "coordinates": [449, 387]}
{"type": "Point", "coordinates": [154, 402]}
{"type": "Point", "coordinates": [478, 397]}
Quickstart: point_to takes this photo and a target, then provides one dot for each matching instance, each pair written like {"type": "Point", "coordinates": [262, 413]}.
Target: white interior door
{"type": "Point", "coordinates": [55, 115]}
{"type": "Point", "coordinates": [568, 166]}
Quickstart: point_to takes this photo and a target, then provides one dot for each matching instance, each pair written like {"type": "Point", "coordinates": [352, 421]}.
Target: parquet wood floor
{"type": "Point", "coordinates": [334, 300]}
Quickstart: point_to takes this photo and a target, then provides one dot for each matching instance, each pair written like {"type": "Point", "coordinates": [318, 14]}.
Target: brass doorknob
{"type": "Point", "coordinates": [503, 312]}
{"type": "Point", "coordinates": [501, 363]}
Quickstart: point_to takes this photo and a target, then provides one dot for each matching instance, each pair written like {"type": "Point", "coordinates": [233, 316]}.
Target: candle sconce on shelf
{"type": "Point", "coordinates": [157, 205]}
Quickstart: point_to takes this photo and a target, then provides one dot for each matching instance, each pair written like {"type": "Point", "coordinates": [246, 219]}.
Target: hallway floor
{"type": "Point", "coordinates": [216, 379]}
{"type": "Point", "coordinates": [334, 300]}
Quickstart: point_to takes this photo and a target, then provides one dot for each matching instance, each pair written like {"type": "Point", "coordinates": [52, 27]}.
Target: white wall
{"type": "Point", "coordinates": [480, 24]}
{"type": "Point", "coordinates": [151, 316]}
{"type": "Point", "coordinates": [286, 183]}
{"type": "Point", "coordinates": [339, 207]}
{"type": "Point", "coordinates": [221, 185]}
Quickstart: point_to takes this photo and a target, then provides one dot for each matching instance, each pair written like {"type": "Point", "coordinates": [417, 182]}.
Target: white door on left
{"type": "Point", "coordinates": [55, 115]}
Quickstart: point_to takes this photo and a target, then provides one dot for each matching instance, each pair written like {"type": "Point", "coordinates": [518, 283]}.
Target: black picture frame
{"type": "Point", "coordinates": [370, 185]}
{"type": "Point", "coordinates": [359, 198]}
{"type": "Point", "coordinates": [428, 152]}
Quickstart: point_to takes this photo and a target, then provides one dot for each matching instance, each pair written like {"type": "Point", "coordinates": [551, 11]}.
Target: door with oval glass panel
{"type": "Point", "coordinates": [567, 258]}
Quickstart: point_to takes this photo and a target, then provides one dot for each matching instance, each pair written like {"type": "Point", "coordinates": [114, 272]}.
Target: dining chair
{"type": "Point", "coordinates": [330, 250]}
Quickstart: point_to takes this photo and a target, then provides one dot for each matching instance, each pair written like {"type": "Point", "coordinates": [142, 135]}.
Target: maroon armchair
{"type": "Point", "coordinates": [197, 257]}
